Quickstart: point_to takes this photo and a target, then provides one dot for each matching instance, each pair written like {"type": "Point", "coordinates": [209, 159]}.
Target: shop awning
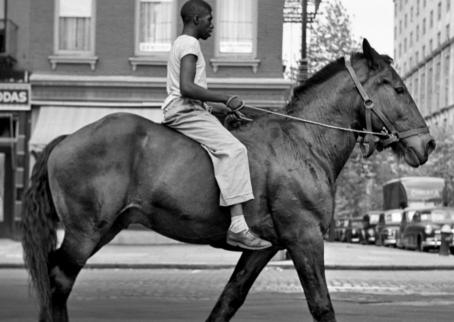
{"type": "Point", "coordinates": [53, 121]}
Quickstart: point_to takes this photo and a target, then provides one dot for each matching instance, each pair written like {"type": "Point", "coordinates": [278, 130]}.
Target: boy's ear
{"type": "Point", "coordinates": [196, 19]}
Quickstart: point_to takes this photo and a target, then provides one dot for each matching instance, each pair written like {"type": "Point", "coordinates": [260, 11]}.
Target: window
{"type": "Point", "coordinates": [417, 32]}
{"type": "Point", "coordinates": [422, 91]}
{"type": "Point", "coordinates": [405, 21]}
{"type": "Point", "coordinates": [75, 27]}
{"type": "Point", "coordinates": [2, 27]}
{"type": "Point", "coordinates": [439, 11]}
{"type": "Point", "coordinates": [417, 57]}
{"type": "Point", "coordinates": [446, 76]}
{"type": "Point", "coordinates": [155, 31]}
{"type": "Point", "coordinates": [447, 32]}
{"type": "Point", "coordinates": [429, 89]}
{"type": "Point", "coordinates": [431, 47]}
{"type": "Point", "coordinates": [448, 5]}
{"type": "Point", "coordinates": [423, 51]}
{"type": "Point", "coordinates": [237, 27]}
{"type": "Point", "coordinates": [437, 79]}
{"type": "Point", "coordinates": [411, 14]}
{"type": "Point", "coordinates": [415, 89]}
{"type": "Point", "coordinates": [417, 7]}
{"type": "Point", "coordinates": [438, 38]}
{"type": "Point", "coordinates": [411, 38]}
{"type": "Point", "coordinates": [424, 26]}
{"type": "Point", "coordinates": [431, 19]}
{"type": "Point", "coordinates": [405, 44]}
{"type": "Point", "coordinates": [400, 50]}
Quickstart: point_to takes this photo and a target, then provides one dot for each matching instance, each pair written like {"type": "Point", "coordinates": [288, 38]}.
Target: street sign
{"type": "Point", "coordinates": [15, 96]}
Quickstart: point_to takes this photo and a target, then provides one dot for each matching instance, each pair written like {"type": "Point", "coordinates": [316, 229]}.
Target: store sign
{"type": "Point", "coordinates": [14, 97]}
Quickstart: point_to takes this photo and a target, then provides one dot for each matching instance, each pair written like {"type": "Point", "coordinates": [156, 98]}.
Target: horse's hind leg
{"type": "Point", "coordinates": [246, 271]}
{"type": "Point", "coordinates": [65, 265]}
{"type": "Point", "coordinates": [67, 261]}
{"type": "Point", "coordinates": [307, 255]}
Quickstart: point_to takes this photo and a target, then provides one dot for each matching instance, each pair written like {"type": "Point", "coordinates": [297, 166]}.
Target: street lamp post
{"type": "Point", "coordinates": [304, 12]}
{"type": "Point", "coordinates": [302, 74]}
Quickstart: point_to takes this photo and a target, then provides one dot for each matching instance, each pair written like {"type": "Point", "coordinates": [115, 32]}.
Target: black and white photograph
{"type": "Point", "coordinates": [226, 160]}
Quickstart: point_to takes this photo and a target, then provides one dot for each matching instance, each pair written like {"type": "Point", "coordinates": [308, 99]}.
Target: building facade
{"type": "Point", "coordinates": [112, 54]}
{"type": "Point", "coordinates": [15, 106]}
{"type": "Point", "coordinates": [423, 52]}
{"type": "Point", "coordinates": [87, 58]}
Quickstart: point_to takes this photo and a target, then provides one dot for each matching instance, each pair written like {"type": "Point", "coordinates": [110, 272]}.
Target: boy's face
{"type": "Point", "coordinates": [205, 25]}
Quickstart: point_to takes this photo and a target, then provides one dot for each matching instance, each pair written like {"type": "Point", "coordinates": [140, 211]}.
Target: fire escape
{"type": "Point", "coordinates": [301, 12]}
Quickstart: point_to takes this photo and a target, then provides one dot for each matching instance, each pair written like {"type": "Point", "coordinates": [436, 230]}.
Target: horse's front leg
{"type": "Point", "coordinates": [246, 271]}
{"type": "Point", "coordinates": [306, 250]}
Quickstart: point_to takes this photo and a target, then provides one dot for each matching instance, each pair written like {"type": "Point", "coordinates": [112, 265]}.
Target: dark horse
{"type": "Point", "coordinates": [125, 169]}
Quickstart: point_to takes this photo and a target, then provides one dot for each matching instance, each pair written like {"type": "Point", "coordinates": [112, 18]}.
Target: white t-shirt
{"type": "Point", "coordinates": [181, 47]}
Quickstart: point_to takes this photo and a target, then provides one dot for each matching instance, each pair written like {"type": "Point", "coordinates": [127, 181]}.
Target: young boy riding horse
{"type": "Point", "coordinates": [185, 111]}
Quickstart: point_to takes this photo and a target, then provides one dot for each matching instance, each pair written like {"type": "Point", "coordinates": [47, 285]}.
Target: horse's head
{"type": "Point", "coordinates": [391, 108]}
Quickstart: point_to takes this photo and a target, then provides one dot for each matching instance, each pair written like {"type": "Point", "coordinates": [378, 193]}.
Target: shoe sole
{"type": "Point", "coordinates": [241, 245]}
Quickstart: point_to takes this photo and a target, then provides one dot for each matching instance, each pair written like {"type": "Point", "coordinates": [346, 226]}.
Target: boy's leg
{"type": "Point", "coordinates": [231, 168]}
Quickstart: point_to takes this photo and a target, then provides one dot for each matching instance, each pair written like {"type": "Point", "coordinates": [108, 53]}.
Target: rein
{"type": "Point", "coordinates": [387, 136]}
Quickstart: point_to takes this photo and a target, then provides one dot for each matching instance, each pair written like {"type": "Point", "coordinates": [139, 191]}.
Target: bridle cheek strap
{"type": "Point", "coordinates": [389, 134]}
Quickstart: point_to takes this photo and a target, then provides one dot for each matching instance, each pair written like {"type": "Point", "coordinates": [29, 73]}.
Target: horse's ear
{"type": "Point", "coordinates": [371, 55]}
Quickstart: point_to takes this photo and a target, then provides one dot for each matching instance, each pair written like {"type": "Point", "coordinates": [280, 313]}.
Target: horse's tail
{"type": "Point", "coordinates": [39, 225]}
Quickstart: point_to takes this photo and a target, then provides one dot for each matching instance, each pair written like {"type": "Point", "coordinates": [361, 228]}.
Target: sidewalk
{"type": "Point", "coordinates": [165, 253]}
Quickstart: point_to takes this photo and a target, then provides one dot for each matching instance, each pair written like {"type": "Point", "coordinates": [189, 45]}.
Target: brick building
{"type": "Point", "coordinates": [88, 58]}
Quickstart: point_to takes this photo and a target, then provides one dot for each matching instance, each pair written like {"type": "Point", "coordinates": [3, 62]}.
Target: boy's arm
{"type": "Point", "coordinates": [191, 90]}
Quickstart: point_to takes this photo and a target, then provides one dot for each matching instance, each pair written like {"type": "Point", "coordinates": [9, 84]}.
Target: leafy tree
{"type": "Point", "coordinates": [330, 35]}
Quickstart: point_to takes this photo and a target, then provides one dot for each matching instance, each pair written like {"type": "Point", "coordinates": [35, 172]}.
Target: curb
{"type": "Point", "coordinates": [231, 266]}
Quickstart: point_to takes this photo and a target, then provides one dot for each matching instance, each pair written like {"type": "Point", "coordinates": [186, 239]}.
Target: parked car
{"type": "Point", "coordinates": [340, 229]}
{"type": "Point", "coordinates": [407, 215]}
{"type": "Point", "coordinates": [353, 230]}
{"type": "Point", "coordinates": [388, 227]}
{"type": "Point", "coordinates": [370, 221]}
{"type": "Point", "coordinates": [423, 232]}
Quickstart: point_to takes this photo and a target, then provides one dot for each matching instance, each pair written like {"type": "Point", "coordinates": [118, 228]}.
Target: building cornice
{"type": "Point", "coordinates": [435, 53]}
{"type": "Point", "coordinates": [38, 79]}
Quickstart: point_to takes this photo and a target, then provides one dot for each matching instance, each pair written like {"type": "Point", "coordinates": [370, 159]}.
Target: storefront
{"type": "Point", "coordinates": [14, 134]}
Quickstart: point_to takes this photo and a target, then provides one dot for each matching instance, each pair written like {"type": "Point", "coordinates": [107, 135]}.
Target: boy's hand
{"type": "Point", "coordinates": [234, 103]}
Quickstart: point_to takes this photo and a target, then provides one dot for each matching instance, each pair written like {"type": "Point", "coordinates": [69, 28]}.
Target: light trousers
{"type": "Point", "coordinates": [228, 155]}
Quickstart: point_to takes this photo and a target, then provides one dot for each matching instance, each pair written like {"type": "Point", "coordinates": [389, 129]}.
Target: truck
{"type": "Point", "coordinates": [414, 192]}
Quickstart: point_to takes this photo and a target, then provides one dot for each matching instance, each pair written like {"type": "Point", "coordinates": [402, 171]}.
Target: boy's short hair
{"type": "Point", "coordinates": [193, 8]}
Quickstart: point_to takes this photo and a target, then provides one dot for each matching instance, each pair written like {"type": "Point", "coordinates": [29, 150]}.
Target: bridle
{"type": "Point", "coordinates": [388, 135]}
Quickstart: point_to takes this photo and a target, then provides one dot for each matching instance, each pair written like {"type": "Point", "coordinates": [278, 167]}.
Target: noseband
{"type": "Point", "coordinates": [389, 133]}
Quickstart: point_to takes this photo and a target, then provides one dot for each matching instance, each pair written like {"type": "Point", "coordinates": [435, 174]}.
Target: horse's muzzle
{"type": "Point", "coordinates": [418, 148]}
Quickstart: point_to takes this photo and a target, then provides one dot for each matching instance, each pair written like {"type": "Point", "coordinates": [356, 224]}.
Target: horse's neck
{"type": "Point", "coordinates": [328, 104]}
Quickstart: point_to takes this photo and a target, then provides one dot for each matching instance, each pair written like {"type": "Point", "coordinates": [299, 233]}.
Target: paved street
{"type": "Point", "coordinates": [188, 295]}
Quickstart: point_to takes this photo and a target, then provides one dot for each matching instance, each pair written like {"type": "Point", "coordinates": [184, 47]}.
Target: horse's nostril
{"type": "Point", "coordinates": [431, 146]}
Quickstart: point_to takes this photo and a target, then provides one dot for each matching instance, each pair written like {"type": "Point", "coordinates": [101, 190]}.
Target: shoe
{"type": "Point", "coordinates": [246, 239]}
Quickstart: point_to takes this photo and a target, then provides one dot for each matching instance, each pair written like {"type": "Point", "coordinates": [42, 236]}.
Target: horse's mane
{"type": "Point", "coordinates": [322, 75]}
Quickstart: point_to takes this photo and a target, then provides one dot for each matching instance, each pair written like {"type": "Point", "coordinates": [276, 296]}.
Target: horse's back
{"type": "Point", "coordinates": [124, 160]}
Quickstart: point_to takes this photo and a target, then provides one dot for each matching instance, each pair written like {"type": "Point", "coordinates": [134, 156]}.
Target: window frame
{"type": "Point", "coordinates": [238, 56]}
{"type": "Point", "coordinates": [158, 55]}
{"type": "Point", "coordinates": [74, 53]}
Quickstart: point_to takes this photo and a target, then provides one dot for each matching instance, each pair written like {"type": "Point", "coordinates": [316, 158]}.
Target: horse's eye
{"type": "Point", "coordinates": [399, 90]}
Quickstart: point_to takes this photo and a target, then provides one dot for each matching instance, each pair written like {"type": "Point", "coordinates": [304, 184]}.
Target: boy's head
{"type": "Point", "coordinates": [198, 13]}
